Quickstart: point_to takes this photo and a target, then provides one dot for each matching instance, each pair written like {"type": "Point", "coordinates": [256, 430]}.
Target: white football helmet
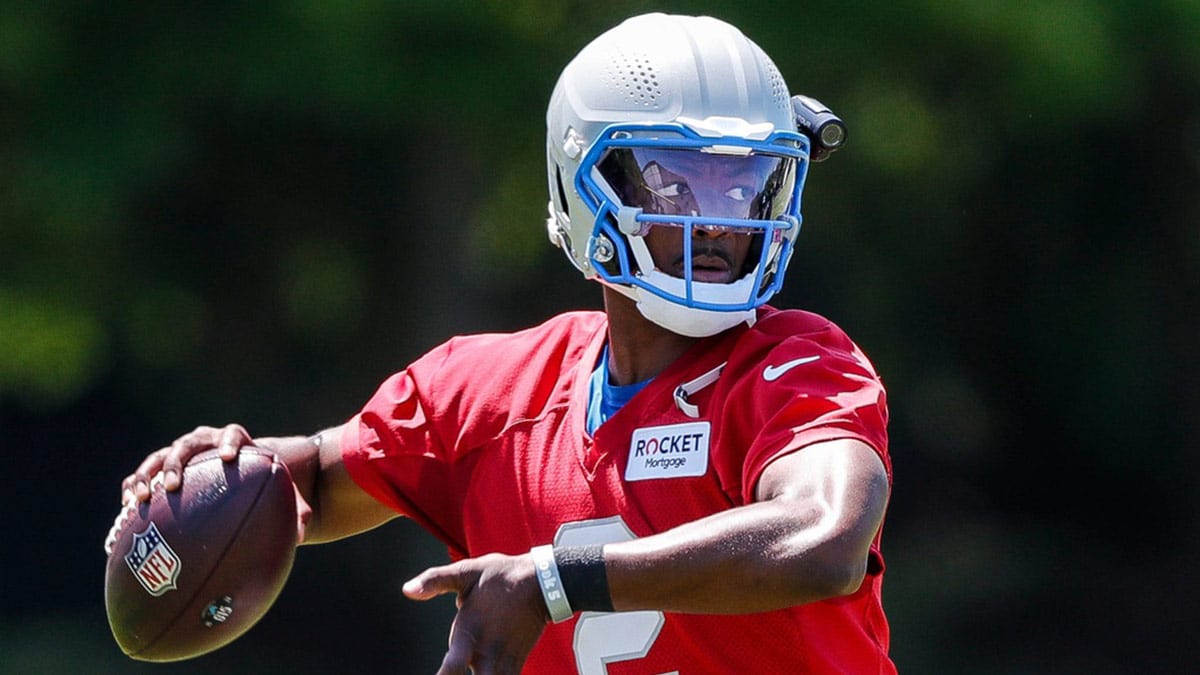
{"type": "Point", "coordinates": [675, 121]}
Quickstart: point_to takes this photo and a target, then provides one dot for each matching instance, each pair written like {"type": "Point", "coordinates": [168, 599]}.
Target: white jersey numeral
{"type": "Point", "coordinates": [601, 637]}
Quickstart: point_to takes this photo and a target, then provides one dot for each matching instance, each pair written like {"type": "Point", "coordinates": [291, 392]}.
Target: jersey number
{"type": "Point", "coordinates": [600, 637]}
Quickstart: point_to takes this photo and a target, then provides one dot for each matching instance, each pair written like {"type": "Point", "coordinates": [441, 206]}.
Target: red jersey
{"type": "Point", "coordinates": [483, 442]}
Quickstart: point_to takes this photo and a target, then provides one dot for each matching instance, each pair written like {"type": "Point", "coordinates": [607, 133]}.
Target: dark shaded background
{"type": "Point", "coordinates": [255, 213]}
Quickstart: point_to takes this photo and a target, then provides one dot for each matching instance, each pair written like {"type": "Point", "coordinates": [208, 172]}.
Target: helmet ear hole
{"type": "Point", "coordinates": [611, 260]}
{"type": "Point", "coordinates": [562, 194]}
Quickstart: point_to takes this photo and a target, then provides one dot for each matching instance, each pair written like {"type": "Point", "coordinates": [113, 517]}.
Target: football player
{"type": "Point", "coordinates": [690, 481]}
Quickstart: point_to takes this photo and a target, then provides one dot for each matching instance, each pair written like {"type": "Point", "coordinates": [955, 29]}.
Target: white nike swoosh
{"type": "Point", "coordinates": [772, 373]}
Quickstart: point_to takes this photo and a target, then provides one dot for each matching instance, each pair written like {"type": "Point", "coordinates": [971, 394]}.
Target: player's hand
{"type": "Point", "coordinates": [500, 612]}
{"type": "Point", "coordinates": [171, 459]}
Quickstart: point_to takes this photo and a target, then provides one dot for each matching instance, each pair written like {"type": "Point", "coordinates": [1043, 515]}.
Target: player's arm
{"type": "Point", "coordinates": [340, 508]}
{"type": "Point", "coordinates": [807, 538]}
{"type": "Point", "coordinates": [330, 505]}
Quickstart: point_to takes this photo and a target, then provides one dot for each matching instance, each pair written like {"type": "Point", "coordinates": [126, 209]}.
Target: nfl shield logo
{"type": "Point", "coordinates": [153, 562]}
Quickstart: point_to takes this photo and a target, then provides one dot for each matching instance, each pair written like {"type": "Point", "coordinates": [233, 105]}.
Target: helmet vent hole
{"type": "Point", "coordinates": [633, 77]}
{"type": "Point", "coordinates": [779, 91]}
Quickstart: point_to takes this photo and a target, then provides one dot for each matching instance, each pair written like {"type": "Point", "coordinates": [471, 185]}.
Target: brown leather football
{"type": "Point", "coordinates": [191, 570]}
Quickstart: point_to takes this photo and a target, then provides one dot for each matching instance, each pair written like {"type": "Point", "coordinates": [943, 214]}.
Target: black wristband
{"type": "Point", "coordinates": [584, 578]}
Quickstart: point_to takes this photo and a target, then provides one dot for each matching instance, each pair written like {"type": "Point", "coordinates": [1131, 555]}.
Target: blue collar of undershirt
{"type": "Point", "coordinates": [606, 398]}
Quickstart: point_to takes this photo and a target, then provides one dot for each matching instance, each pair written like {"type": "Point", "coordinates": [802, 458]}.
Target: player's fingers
{"type": "Point", "coordinates": [233, 437]}
{"type": "Point", "coordinates": [228, 439]}
{"type": "Point", "coordinates": [171, 460]}
{"type": "Point", "coordinates": [474, 650]}
{"type": "Point", "coordinates": [199, 439]}
{"type": "Point", "coordinates": [139, 481]}
{"type": "Point", "coordinates": [127, 485]}
{"type": "Point", "coordinates": [461, 650]}
{"type": "Point", "coordinates": [435, 581]}
{"type": "Point", "coordinates": [195, 441]}
{"type": "Point", "coordinates": [494, 662]}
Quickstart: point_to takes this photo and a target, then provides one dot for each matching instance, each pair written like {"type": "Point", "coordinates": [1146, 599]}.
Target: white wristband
{"type": "Point", "coordinates": [550, 583]}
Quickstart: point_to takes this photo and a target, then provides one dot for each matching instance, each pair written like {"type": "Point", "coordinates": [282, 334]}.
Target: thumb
{"type": "Point", "coordinates": [436, 581]}
{"type": "Point", "coordinates": [303, 515]}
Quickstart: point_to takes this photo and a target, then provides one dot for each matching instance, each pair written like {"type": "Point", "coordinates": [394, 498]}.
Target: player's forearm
{"type": "Point", "coordinates": [339, 507]}
{"type": "Point", "coordinates": [301, 456]}
{"type": "Point", "coordinates": [759, 557]}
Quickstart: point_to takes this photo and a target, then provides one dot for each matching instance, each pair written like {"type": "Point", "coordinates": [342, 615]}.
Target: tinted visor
{"type": "Point", "coordinates": [691, 182]}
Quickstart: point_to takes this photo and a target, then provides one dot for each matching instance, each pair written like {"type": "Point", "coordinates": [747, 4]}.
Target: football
{"type": "Point", "coordinates": [191, 570]}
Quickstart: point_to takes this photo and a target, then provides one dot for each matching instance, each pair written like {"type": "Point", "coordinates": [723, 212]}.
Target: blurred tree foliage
{"type": "Point", "coordinates": [255, 211]}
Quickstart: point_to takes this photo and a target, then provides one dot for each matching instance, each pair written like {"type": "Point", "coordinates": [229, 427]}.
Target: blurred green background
{"type": "Point", "coordinates": [254, 212]}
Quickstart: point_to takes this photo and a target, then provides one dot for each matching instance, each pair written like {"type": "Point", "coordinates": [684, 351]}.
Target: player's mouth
{"type": "Point", "coordinates": [709, 265]}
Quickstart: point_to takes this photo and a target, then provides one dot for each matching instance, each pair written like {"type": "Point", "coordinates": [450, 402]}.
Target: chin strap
{"type": "Point", "coordinates": [683, 391]}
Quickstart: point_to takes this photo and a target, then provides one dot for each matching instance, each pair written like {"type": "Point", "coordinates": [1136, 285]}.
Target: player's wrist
{"type": "Point", "coordinates": [584, 577]}
{"type": "Point", "coordinates": [546, 570]}
{"type": "Point", "coordinates": [572, 579]}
